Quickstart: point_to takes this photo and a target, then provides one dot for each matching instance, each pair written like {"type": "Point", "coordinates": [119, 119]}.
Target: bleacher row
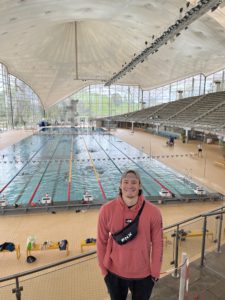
{"type": "Point", "coordinates": [199, 111]}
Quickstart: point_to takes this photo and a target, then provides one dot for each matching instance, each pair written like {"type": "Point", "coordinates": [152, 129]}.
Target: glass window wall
{"type": "Point", "coordinates": [19, 106]}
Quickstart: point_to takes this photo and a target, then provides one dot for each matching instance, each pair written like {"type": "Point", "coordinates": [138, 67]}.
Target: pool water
{"type": "Point", "coordinates": [65, 164]}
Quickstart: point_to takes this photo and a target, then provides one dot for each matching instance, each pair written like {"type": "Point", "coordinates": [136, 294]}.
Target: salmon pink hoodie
{"type": "Point", "coordinates": [141, 256]}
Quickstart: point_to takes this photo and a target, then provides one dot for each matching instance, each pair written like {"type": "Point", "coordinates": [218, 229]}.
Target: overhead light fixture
{"type": "Point", "coordinates": [170, 34]}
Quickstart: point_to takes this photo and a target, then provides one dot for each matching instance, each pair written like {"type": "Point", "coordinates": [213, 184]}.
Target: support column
{"type": "Point", "coordinates": [180, 94]}
{"type": "Point", "coordinates": [218, 85]}
{"type": "Point", "coordinates": [132, 126]}
{"type": "Point", "coordinates": [186, 134]}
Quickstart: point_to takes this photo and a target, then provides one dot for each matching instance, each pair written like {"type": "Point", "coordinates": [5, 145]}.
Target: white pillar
{"type": "Point", "coordinates": [180, 94]}
{"type": "Point", "coordinates": [186, 136]}
{"type": "Point", "coordinates": [132, 126]}
{"type": "Point", "coordinates": [183, 277]}
{"type": "Point", "coordinates": [187, 129]}
{"type": "Point", "coordinates": [218, 85]}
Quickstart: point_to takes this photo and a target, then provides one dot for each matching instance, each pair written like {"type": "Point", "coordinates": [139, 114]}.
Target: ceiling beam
{"type": "Point", "coordinates": [201, 8]}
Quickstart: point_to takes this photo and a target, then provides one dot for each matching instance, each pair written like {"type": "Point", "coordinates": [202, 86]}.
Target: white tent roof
{"type": "Point", "coordinates": [58, 47]}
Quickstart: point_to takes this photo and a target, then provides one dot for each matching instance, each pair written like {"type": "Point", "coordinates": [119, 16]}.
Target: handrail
{"type": "Point", "coordinates": [193, 218]}
{"type": "Point", "coordinates": [176, 235]}
{"type": "Point", "coordinates": [48, 266]}
{"type": "Point", "coordinates": [213, 214]}
{"type": "Point", "coordinates": [49, 208]}
{"type": "Point", "coordinates": [217, 211]}
{"type": "Point", "coordinates": [204, 233]}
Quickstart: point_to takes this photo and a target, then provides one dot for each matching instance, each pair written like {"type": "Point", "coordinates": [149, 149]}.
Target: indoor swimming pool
{"type": "Point", "coordinates": [66, 163]}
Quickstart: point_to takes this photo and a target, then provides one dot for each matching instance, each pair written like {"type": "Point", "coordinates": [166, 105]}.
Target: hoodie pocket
{"type": "Point", "coordinates": [130, 259]}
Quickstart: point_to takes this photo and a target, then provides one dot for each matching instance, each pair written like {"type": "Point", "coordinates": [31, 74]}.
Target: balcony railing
{"type": "Point", "coordinates": [79, 277]}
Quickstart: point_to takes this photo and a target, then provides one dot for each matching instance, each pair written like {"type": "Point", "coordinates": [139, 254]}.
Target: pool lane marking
{"type": "Point", "coordinates": [95, 171]}
{"type": "Point", "coordinates": [57, 179]}
{"type": "Point", "coordinates": [156, 180]}
{"type": "Point", "coordinates": [21, 169]}
{"type": "Point", "coordinates": [144, 188]}
{"type": "Point", "coordinates": [70, 171]}
{"type": "Point", "coordinates": [38, 185]}
{"type": "Point", "coordinates": [25, 186]}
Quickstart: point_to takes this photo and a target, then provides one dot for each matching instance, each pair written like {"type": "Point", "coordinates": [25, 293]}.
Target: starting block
{"type": "Point", "coordinates": [86, 244]}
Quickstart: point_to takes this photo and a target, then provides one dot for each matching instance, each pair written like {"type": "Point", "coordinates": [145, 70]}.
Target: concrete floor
{"type": "Point", "coordinates": [205, 283]}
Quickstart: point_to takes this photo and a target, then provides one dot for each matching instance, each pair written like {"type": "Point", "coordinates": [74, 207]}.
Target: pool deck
{"type": "Point", "coordinates": [11, 137]}
{"type": "Point", "coordinates": [182, 157]}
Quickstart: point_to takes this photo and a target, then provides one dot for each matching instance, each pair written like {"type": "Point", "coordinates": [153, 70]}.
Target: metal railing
{"type": "Point", "coordinates": [200, 227]}
{"type": "Point", "coordinates": [18, 288]}
{"type": "Point", "coordinates": [178, 234]}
